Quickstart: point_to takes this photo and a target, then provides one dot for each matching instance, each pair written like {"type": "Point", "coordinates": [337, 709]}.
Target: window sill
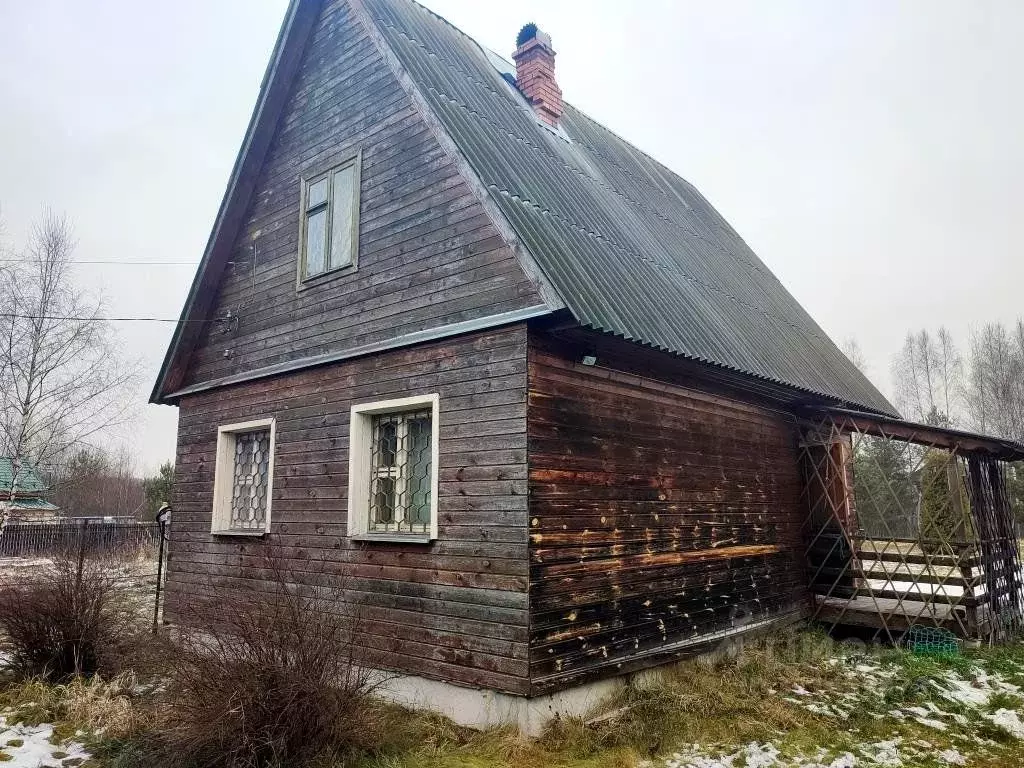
{"type": "Point", "coordinates": [325, 277]}
{"type": "Point", "coordinates": [246, 534]}
{"type": "Point", "coordinates": [393, 538]}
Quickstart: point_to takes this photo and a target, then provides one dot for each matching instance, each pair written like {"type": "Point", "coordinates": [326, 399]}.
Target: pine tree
{"type": "Point", "coordinates": [945, 508]}
{"type": "Point", "coordinates": [884, 491]}
{"type": "Point", "coordinates": [158, 487]}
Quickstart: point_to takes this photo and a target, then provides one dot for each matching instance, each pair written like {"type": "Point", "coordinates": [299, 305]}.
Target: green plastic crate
{"type": "Point", "coordinates": [932, 641]}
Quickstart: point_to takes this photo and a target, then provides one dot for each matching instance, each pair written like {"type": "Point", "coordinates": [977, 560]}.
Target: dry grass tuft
{"type": "Point", "coordinates": [87, 704]}
{"type": "Point", "coordinates": [729, 698]}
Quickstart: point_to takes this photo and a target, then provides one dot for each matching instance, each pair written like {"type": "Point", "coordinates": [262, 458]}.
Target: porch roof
{"type": "Point", "coordinates": [914, 432]}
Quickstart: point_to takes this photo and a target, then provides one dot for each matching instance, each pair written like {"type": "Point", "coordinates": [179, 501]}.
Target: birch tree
{"type": "Point", "coordinates": [851, 348]}
{"type": "Point", "coordinates": [996, 381]}
{"type": "Point", "coordinates": [928, 378]}
{"type": "Point", "coordinates": [62, 382]}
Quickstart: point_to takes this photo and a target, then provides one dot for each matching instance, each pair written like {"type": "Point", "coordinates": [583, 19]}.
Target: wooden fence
{"type": "Point", "coordinates": [92, 537]}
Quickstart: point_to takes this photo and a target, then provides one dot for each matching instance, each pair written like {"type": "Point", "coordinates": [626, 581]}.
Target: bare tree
{"type": "Point", "coordinates": [851, 348]}
{"type": "Point", "coordinates": [950, 366]}
{"type": "Point", "coordinates": [996, 381]}
{"type": "Point", "coordinates": [97, 482]}
{"type": "Point", "coordinates": [928, 377]}
{"type": "Point", "coordinates": [61, 379]}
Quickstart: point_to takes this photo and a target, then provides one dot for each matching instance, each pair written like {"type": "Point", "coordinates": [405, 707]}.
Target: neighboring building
{"type": "Point", "coordinates": [515, 383]}
{"type": "Point", "coordinates": [29, 503]}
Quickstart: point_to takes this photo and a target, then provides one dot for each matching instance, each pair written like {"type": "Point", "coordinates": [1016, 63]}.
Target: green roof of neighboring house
{"type": "Point", "coordinates": [35, 504]}
{"type": "Point", "coordinates": [29, 480]}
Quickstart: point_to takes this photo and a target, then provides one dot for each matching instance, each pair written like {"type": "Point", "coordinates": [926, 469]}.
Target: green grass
{"type": "Point", "coordinates": [721, 704]}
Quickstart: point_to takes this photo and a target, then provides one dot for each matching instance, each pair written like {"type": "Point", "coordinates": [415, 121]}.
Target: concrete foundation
{"type": "Point", "coordinates": [483, 708]}
{"type": "Point", "coordinates": [479, 708]}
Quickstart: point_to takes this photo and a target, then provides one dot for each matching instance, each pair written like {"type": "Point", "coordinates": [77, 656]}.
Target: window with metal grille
{"type": "Point", "coordinates": [400, 472]}
{"type": "Point", "coordinates": [243, 479]}
{"type": "Point", "coordinates": [249, 491]}
{"type": "Point", "coordinates": [393, 475]}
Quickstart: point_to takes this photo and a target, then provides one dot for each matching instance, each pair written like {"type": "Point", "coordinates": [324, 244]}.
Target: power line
{"type": "Point", "coordinates": [13, 316]}
{"type": "Point", "coordinates": [113, 261]}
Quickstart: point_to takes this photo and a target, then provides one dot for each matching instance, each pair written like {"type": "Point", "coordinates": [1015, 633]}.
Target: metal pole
{"type": "Point", "coordinates": [81, 555]}
{"type": "Point", "coordinates": [162, 518]}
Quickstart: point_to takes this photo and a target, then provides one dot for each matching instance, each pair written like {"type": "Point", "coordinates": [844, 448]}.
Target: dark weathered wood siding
{"type": "Point", "coordinates": [455, 609]}
{"type": "Point", "coordinates": [658, 515]}
{"type": "Point", "coordinates": [428, 253]}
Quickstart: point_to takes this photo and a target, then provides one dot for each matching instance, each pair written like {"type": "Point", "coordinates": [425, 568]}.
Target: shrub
{"type": "Point", "coordinates": [264, 677]}
{"type": "Point", "coordinates": [71, 617]}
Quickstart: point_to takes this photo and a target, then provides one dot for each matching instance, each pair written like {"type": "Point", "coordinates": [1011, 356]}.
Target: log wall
{"type": "Point", "coordinates": [659, 516]}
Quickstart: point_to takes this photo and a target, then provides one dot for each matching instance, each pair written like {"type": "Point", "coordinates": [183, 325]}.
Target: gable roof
{"type": "Point", "coordinates": [630, 247]}
{"type": "Point", "coordinates": [29, 480]}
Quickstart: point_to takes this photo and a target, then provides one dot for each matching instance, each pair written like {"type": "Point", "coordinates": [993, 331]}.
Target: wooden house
{"type": "Point", "coordinates": [25, 501]}
{"type": "Point", "coordinates": [517, 383]}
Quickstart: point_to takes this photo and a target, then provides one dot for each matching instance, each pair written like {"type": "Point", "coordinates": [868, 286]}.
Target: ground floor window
{"type": "Point", "coordinates": [243, 478]}
{"type": "Point", "coordinates": [393, 468]}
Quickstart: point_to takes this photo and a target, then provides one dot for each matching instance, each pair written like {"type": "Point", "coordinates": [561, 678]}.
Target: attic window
{"type": "Point", "coordinates": [329, 221]}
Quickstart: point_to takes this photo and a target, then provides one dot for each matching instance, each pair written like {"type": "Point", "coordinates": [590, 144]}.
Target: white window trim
{"type": "Point", "coordinates": [224, 476]}
{"type": "Point", "coordinates": [359, 466]}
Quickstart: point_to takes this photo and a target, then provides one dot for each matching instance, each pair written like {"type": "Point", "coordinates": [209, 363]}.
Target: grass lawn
{"type": "Point", "coordinates": [795, 700]}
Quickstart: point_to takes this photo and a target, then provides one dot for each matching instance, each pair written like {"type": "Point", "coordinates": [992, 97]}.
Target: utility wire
{"type": "Point", "coordinates": [112, 261]}
{"type": "Point", "coordinates": [13, 316]}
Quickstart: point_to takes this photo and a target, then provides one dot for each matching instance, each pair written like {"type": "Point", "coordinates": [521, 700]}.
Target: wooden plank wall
{"type": "Point", "coordinates": [428, 254]}
{"type": "Point", "coordinates": [455, 609]}
{"type": "Point", "coordinates": [657, 515]}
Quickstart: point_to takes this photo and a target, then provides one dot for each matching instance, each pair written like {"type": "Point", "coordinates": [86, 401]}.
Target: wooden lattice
{"type": "Point", "coordinates": [909, 526]}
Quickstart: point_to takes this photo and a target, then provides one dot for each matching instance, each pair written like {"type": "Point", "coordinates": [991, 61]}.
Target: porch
{"type": "Point", "coordinates": [911, 525]}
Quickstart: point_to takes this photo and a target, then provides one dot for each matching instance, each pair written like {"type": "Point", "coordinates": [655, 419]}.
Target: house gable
{"type": "Point", "coordinates": [474, 214]}
{"type": "Point", "coordinates": [432, 259]}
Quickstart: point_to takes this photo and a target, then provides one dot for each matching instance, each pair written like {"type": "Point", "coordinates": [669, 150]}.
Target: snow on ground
{"type": "Point", "coordinates": [29, 746]}
{"type": "Point", "coordinates": [893, 753]}
{"type": "Point", "coordinates": [954, 706]}
{"type": "Point", "coordinates": [12, 566]}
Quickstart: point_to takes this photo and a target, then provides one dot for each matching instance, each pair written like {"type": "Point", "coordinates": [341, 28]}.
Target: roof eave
{"type": "Point", "coordinates": [291, 41]}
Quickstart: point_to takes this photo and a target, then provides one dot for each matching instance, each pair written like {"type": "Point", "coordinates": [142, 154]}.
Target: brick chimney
{"type": "Point", "coordinates": [535, 73]}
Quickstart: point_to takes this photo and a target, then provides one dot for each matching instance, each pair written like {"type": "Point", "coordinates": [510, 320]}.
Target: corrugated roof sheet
{"type": "Point", "coordinates": [35, 504]}
{"type": "Point", "coordinates": [28, 480]}
{"type": "Point", "coordinates": [633, 249]}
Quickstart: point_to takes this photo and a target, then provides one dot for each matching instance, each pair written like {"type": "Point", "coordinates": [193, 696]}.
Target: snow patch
{"type": "Point", "coordinates": [35, 750]}
{"type": "Point", "coordinates": [1009, 721]}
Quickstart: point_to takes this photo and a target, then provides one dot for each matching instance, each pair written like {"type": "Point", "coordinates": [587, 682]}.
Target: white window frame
{"type": "Point", "coordinates": [303, 280]}
{"type": "Point", "coordinates": [360, 466]}
{"type": "Point", "coordinates": [224, 476]}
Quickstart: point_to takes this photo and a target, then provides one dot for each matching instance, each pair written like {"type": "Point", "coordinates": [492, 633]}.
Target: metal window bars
{"type": "Point", "coordinates": [400, 473]}
{"type": "Point", "coordinates": [250, 483]}
{"type": "Point", "coordinates": [909, 526]}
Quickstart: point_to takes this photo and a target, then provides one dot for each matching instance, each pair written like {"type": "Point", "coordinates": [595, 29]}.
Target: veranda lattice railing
{"type": "Point", "coordinates": [910, 525]}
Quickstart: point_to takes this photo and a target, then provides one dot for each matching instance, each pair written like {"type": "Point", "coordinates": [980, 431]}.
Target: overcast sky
{"type": "Point", "coordinates": [870, 152]}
